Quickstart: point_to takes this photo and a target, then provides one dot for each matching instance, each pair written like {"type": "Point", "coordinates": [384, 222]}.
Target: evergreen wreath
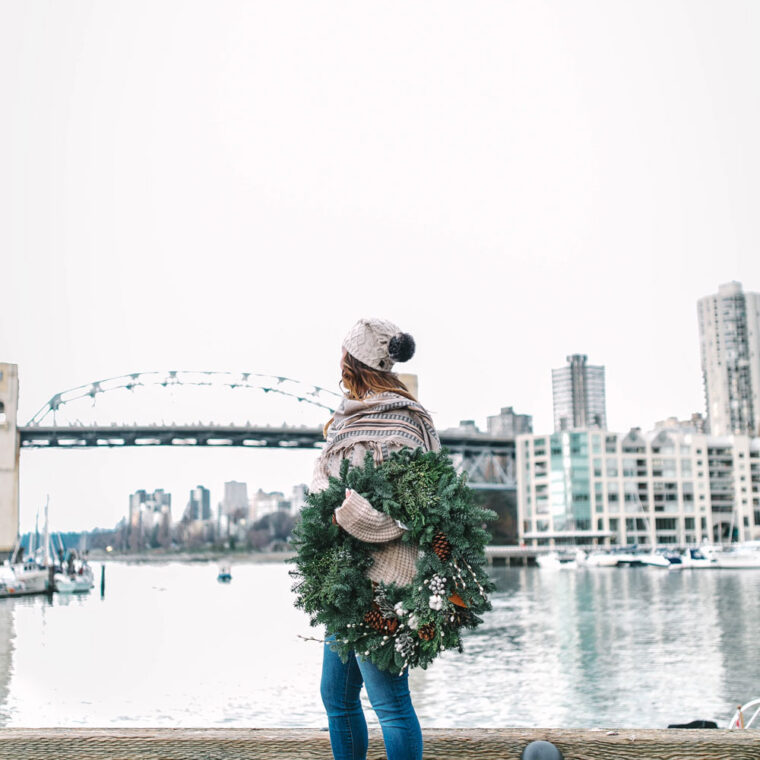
{"type": "Point", "coordinates": [396, 626]}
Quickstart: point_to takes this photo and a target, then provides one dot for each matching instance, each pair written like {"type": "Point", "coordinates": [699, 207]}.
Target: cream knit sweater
{"type": "Point", "coordinates": [381, 423]}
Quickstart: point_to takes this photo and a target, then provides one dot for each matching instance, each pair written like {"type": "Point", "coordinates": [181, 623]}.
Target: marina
{"type": "Point", "coordinates": [743, 555]}
{"type": "Point", "coordinates": [44, 567]}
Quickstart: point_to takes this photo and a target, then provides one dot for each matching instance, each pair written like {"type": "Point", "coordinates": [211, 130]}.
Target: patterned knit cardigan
{"type": "Point", "coordinates": [380, 423]}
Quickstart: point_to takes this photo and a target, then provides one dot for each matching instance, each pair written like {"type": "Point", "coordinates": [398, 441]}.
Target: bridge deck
{"type": "Point", "coordinates": [39, 436]}
{"type": "Point", "coordinates": [312, 744]}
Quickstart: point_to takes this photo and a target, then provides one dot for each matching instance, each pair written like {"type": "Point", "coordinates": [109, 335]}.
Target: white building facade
{"type": "Point", "coordinates": [664, 487]}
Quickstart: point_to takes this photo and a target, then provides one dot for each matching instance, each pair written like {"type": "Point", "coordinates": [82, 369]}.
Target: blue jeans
{"type": "Point", "coordinates": [389, 695]}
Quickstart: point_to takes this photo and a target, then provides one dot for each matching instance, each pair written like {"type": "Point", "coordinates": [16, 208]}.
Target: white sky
{"type": "Point", "coordinates": [230, 185]}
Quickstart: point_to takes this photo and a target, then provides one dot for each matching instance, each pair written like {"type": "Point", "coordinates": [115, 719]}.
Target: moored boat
{"type": "Point", "coordinates": [739, 557]}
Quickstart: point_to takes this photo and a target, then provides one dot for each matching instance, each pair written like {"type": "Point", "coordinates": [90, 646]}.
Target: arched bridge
{"type": "Point", "coordinates": [489, 461]}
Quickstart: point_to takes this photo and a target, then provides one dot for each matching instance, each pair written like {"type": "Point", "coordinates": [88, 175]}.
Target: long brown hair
{"type": "Point", "coordinates": [357, 379]}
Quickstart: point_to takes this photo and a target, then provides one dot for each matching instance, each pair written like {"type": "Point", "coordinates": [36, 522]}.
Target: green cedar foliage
{"type": "Point", "coordinates": [423, 491]}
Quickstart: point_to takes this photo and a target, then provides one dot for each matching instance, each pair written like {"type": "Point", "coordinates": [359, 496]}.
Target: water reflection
{"type": "Point", "coordinates": [7, 637]}
{"type": "Point", "coordinates": [169, 646]}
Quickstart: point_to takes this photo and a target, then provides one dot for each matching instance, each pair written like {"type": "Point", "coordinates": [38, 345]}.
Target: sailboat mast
{"type": "Point", "coordinates": [46, 539]}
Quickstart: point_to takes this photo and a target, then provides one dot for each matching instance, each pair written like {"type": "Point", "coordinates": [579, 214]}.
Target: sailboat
{"type": "Point", "coordinates": [75, 577]}
{"type": "Point", "coordinates": [31, 575]}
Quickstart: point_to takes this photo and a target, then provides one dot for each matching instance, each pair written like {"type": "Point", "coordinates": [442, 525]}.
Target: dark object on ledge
{"type": "Point", "coordinates": [695, 724]}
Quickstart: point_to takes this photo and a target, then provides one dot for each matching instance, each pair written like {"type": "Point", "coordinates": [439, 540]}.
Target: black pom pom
{"type": "Point", "coordinates": [401, 347]}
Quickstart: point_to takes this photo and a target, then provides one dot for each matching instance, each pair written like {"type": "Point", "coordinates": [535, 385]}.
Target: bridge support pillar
{"type": "Point", "coordinates": [9, 457]}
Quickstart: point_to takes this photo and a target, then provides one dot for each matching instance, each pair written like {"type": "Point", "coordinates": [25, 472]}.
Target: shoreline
{"type": "Point", "coordinates": [218, 557]}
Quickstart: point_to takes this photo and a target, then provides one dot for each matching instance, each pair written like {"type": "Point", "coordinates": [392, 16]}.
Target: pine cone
{"type": "Point", "coordinates": [441, 546]}
{"type": "Point", "coordinates": [426, 632]}
{"type": "Point", "coordinates": [373, 618]}
{"type": "Point", "coordinates": [390, 625]}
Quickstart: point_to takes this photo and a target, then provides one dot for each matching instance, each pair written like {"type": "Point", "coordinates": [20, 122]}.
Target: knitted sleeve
{"type": "Point", "coordinates": [359, 518]}
{"type": "Point", "coordinates": [356, 515]}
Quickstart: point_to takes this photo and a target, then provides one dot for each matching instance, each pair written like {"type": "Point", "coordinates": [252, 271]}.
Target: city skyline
{"type": "Point", "coordinates": [235, 199]}
{"type": "Point", "coordinates": [519, 421]}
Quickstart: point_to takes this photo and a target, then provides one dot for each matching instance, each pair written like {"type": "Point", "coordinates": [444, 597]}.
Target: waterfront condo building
{"type": "Point", "coordinates": [578, 393]}
{"type": "Point", "coordinates": [668, 486]}
{"type": "Point", "coordinates": [729, 337]}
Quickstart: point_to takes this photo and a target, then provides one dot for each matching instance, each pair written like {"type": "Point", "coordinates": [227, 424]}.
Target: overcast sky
{"type": "Point", "coordinates": [230, 185]}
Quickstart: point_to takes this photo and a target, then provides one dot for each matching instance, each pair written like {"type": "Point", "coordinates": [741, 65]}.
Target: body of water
{"type": "Point", "coordinates": [170, 646]}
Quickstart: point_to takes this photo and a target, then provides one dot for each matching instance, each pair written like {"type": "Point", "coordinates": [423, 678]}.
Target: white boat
{"type": "Point", "coordinates": [601, 559]}
{"type": "Point", "coordinates": [64, 584]}
{"type": "Point", "coordinates": [654, 559]}
{"type": "Point", "coordinates": [76, 576]}
{"type": "Point", "coordinates": [555, 561]}
{"type": "Point", "coordinates": [84, 580]}
{"type": "Point", "coordinates": [9, 584]}
{"type": "Point", "coordinates": [34, 576]}
{"type": "Point", "coordinates": [23, 579]}
{"type": "Point", "coordinates": [699, 558]}
{"type": "Point", "coordinates": [741, 556]}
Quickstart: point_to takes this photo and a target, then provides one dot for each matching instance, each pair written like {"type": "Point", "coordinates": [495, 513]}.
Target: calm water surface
{"type": "Point", "coordinates": [169, 646]}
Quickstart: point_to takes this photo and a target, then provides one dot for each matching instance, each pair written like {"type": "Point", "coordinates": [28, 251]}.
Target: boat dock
{"type": "Point", "coordinates": [313, 744]}
{"type": "Point", "coordinates": [513, 555]}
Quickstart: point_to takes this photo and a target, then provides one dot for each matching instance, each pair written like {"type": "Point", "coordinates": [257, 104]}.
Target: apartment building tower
{"type": "Point", "coordinates": [729, 337]}
{"type": "Point", "coordinates": [579, 395]}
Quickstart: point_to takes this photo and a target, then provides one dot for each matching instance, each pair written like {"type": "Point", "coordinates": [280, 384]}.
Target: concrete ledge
{"type": "Point", "coordinates": [312, 744]}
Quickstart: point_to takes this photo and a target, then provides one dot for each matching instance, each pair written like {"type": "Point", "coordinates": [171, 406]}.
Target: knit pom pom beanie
{"type": "Point", "coordinates": [378, 343]}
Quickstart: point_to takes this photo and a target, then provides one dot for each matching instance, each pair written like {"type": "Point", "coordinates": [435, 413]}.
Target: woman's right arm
{"type": "Point", "coordinates": [359, 518]}
{"type": "Point", "coordinates": [356, 515]}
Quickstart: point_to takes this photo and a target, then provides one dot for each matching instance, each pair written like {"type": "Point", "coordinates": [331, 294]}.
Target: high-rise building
{"type": "Point", "coordinates": [199, 504]}
{"type": "Point", "coordinates": [263, 503]}
{"type": "Point", "coordinates": [729, 337]}
{"type": "Point", "coordinates": [298, 497]}
{"type": "Point", "coordinates": [235, 501]}
{"type": "Point", "coordinates": [149, 521]}
{"type": "Point", "coordinates": [579, 397]}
